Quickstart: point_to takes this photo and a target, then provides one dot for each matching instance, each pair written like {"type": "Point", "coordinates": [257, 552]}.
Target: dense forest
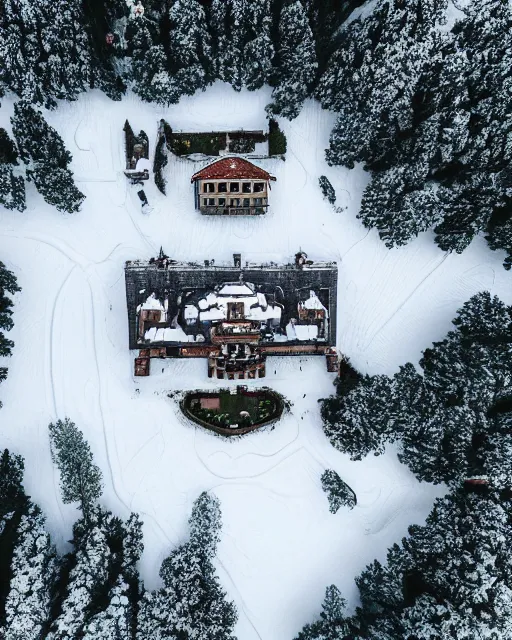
{"type": "Point", "coordinates": [423, 101]}
{"type": "Point", "coordinates": [451, 420]}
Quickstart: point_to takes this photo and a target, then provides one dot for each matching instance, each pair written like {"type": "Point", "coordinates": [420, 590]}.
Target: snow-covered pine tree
{"type": "Point", "coordinates": [400, 204]}
{"type": "Point", "coordinates": [33, 575]}
{"type": "Point", "coordinates": [338, 492]}
{"type": "Point", "coordinates": [190, 50]}
{"type": "Point", "coordinates": [14, 503]}
{"type": "Point", "coordinates": [12, 186]}
{"type": "Point", "coordinates": [467, 207]}
{"type": "Point", "coordinates": [297, 61]}
{"type": "Point", "coordinates": [333, 624]}
{"type": "Point", "coordinates": [20, 50]}
{"type": "Point", "coordinates": [47, 159]}
{"type": "Point", "coordinates": [150, 70]}
{"type": "Point", "coordinates": [66, 68]}
{"type": "Point", "coordinates": [117, 620]}
{"type": "Point", "coordinates": [229, 37]}
{"type": "Point", "coordinates": [8, 285]}
{"type": "Point", "coordinates": [80, 478]}
{"type": "Point", "coordinates": [258, 53]}
{"type": "Point", "coordinates": [448, 418]}
{"type": "Point", "coordinates": [192, 603]}
{"type": "Point", "coordinates": [362, 421]}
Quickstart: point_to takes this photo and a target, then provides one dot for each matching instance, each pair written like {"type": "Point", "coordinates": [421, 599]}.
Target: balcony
{"type": "Point", "coordinates": [236, 333]}
{"type": "Point", "coordinates": [234, 211]}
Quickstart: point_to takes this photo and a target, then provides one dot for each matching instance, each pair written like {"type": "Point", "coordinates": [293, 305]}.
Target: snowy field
{"type": "Point", "coordinates": [280, 545]}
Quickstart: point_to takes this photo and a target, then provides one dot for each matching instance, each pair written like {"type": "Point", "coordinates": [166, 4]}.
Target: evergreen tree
{"type": "Point", "coordinates": [449, 579]}
{"type": "Point", "coordinates": [8, 285]}
{"type": "Point", "coordinates": [33, 571]}
{"type": "Point", "coordinates": [258, 53]}
{"type": "Point", "coordinates": [12, 187]}
{"type": "Point", "coordinates": [14, 504]}
{"type": "Point", "coordinates": [338, 492]}
{"type": "Point", "coordinates": [47, 159]}
{"type": "Point", "coordinates": [191, 604]}
{"type": "Point", "coordinates": [150, 71]}
{"type": "Point", "coordinates": [451, 419]}
{"type": "Point", "coordinates": [332, 624]}
{"type": "Point", "coordinates": [228, 30]}
{"type": "Point", "coordinates": [297, 61]}
{"type": "Point", "coordinates": [80, 478]}
{"type": "Point", "coordinates": [362, 421]}
{"type": "Point", "coordinates": [190, 51]}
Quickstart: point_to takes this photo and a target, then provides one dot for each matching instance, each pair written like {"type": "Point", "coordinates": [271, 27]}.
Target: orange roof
{"type": "Point", "coordinates": [229, 168]}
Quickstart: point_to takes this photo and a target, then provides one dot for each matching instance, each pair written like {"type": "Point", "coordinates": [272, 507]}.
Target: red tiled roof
{"type": "Point", "coordinates": [229, 168]}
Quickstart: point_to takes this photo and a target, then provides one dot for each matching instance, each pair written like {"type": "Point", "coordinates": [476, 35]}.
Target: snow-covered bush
{"type": "Point", "coordinates": [327, 189]}
{"type": "Point", "coordinates": [338, 492]}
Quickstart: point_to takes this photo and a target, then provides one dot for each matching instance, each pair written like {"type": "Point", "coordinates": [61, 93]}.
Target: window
{"type": "Point", "coordinates": [223, 187]}
{"type": "Point", "coordinates": [247, 202]}
{"type": "Point", "coordinates": [209, 187]}
{"type": "Point", "coordinates": [234, 202]}
{"type": "Point", "coordinates": [211, 202]}
{"type": "Point", "coordinates": [246, 187]}
{"type": "Point", "coordinates": [234, 187]}
{"type": "Point", "coordinates": [259, 187]}
{"type": "Point", "coordinates": [222, 202]}
{"type": "Point", "coordinates": [258, 202]}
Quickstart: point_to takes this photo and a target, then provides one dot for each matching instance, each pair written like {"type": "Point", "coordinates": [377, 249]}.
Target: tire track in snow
{"type": "Point", "coordinates": [82, 264]}
{"type": "Point", "coordinates": [402, 305]}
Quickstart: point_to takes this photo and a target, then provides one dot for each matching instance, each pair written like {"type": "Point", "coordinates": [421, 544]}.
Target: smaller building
{"type": "Point", "coordinates": [232, 186]}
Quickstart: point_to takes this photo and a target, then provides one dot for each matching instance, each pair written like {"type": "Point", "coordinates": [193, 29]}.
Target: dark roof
{"type": "Point", "coordinates": [232, 168]}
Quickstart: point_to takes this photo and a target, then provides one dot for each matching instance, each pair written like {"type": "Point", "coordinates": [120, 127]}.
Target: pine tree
{"type": "Point", "coordinates": [12, 187]}
{"type": "Point", "coordinates": [228, 30]}
{"type": "Point", "coordinates": [190, 50]}
{"type": "Point", "coordinates": [80, 478]}
{"type": "Point", "coordinates": [258, 53]}
{"type": "Point", "coordinates": [399, 204]}
{"type": "Point", "coordinates": [150, 72]}
{"type": "Point", "coordinates": [333, 624]}
{"type": "Point", "coordinates": [47, 159]}
{"type": "Point", "coordinates": [99, 587]}
{"type": "Point", "coordinates": [8, 285]}
{"type": "Point", "coordinates": [191, 604]}
{"type": "Point", "coordinates": [338, 493]}
{"type": "Point", "coordinates": [363, 421]}
{"type": "Point", "coordinates": [14, 504]}
{"type": "Point", "coordinates": [33, 570]}
{"type": "Point", "coordinates": [297, 61]}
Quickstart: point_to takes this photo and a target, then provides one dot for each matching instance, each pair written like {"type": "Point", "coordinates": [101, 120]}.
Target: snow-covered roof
{"type": "Point", "coordinates": [191, 312]}
{"type": "Point", "coordinates": [313, 302]}
{"type": "Point", "coordinates": [143, 164]}
{"type": "Point", "coordinates": [236, 289]}
{"type": "Point", "coordinates": [306, 331]}
{"type": "Point", "coordinates": [232, 168]}
{"type": "Point", "coordinates": [151, 302]}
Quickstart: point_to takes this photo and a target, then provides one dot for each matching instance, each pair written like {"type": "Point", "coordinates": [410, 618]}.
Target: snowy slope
{"type": "Point", "coordinates": [280, 545]}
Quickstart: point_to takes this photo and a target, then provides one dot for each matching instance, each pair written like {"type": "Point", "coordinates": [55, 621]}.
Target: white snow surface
{"type": "Point", "coordinates": [280, 545]}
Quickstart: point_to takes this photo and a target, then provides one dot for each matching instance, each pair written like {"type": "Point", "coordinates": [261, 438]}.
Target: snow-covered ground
{"type": "Point", "coordinates": [280, 545]}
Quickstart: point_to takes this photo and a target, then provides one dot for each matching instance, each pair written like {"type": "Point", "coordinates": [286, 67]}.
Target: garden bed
{"type": "Point", "coordinates": [229, 413]}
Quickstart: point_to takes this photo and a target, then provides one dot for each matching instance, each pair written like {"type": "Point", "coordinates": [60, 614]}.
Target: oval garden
{"type": "Point", "coordinates": [233, 411]}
